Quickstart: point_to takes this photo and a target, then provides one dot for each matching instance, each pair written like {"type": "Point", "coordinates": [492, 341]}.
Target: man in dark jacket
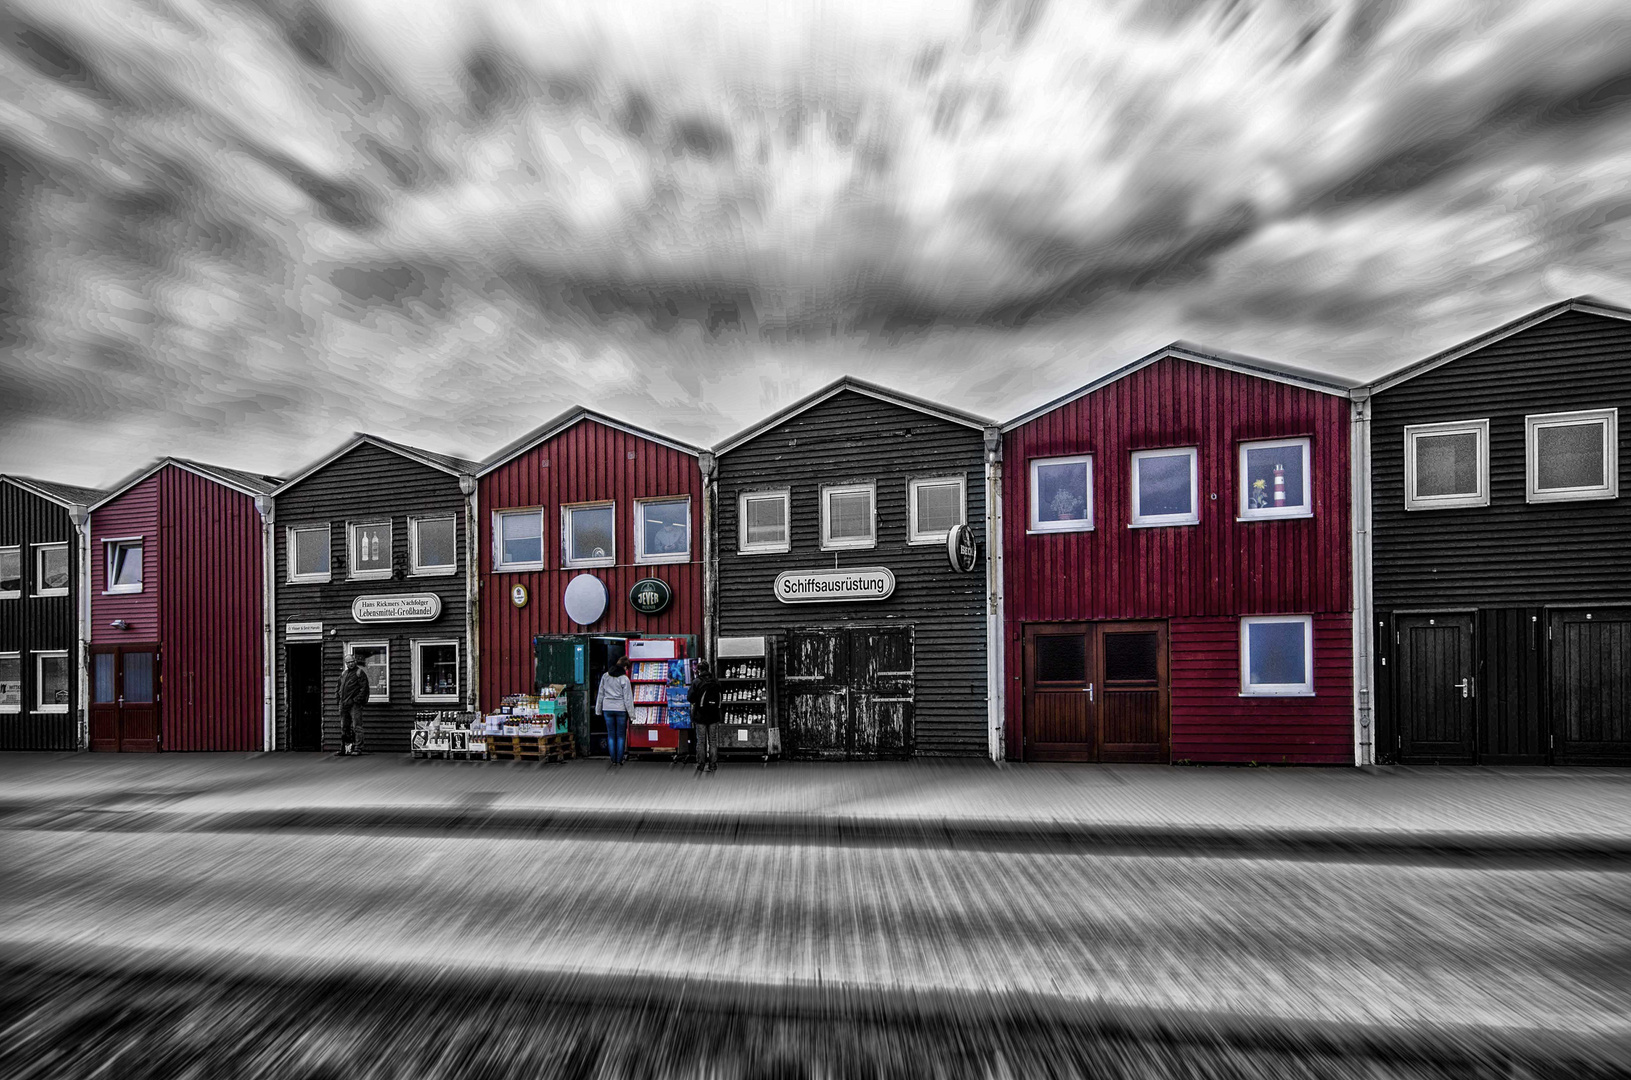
{"type": "Point", "coordinates": [354, 690]}
{"type": "Point", "coordinates": [704, 698]}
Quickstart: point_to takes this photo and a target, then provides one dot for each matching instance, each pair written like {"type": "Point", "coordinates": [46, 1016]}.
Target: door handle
{"type": "Point", "coordinates": [121, 699]}
{"type": "Point", "coordinates": [1088, 690]}
{"type": "Point", "coordinates": [1465, 686]}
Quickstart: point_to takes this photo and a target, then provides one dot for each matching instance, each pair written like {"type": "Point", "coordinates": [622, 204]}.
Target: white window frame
{"type": "Point", "coordinates": [290, 548]}
{"type": "Point", "coordinates": [419, 644]}
{"type": "Point", "coordinates": [827, 492]}
{"type": "Point", "coordinates": [1302, 689]}
{"type": "Point", "coordinates": [386, 645]}
{"type": "Point", "coordinates": [1412, 432]}
{"type": "Point", "coordinates": [914, 535]}
{"type": "Point", "coordinates": [39, 680]}
{"type": "Point", "coordinates": [109, 543]}
{"type": "Point", "coordinates": [414, 569]}
{"type": "Point", "coordinates": [1034, 524]}
{"type": "Point", "coordinates": [1609, 419]}
{"type": "Point", "coordinates": [351, 571]}
{"type": "Point", "coordinates": [15, 594]}
{"type": "Point", "coordinates": [499, 565]}
{"type": "Point", "coordinates": [566, 534]}
{"type": "Point", "coordinates": [17, 656]}
{"type": "Point", "coordinates": [1147, 521]}
{"type": "Point", "coordinates": [640, 555]}
{"type": "Point", "coordinates": [1269, 513]}
{"type": "Point", "coordinates": [743, 547]}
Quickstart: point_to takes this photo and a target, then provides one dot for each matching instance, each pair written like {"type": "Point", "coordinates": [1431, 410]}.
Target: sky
{"type": "Point", "coordinates": [240, 231]}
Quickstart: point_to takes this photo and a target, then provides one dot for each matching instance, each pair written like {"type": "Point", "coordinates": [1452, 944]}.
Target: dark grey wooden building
{"type": "Point", "coordinates": [830, 523]}
{"type": "Point", "coordinates": [1501, 545]}
{"type": "Point", "coordinates": [372, 555]}
{"type": "Point", "coordinates": [41, 608]}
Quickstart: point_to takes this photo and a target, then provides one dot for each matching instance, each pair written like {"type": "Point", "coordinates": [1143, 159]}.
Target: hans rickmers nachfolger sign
{"type": "Point", "coordinates": [807, 586]}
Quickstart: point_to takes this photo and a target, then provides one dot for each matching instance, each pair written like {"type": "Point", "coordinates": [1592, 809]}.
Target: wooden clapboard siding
{"type": "Point", "coordinates": [32, 624]}
{"type": "Point", "coordinates": [133, 513]}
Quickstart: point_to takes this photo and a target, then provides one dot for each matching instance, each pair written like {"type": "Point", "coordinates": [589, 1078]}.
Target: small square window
{"type": "Point", "coordinates": [433, 546]}
{"type": "Point", "coordinates": [371, 549]}
{"type": "Point", "coordinates": [662, 530]}
{"type": "Point", "coordinates": [51, 679]}
{"type": "Point", "coordinates": [11, 573]}
{"type": "Point", "coordinates": [308, 553]}
{"type": "Point", "coordinates": [848, 516]}
{"type": "Point", "coordinates": [762, 522]}
{"type": "Point", "coordinates": [11, 682]}
{"type": "Point", "coordinates": [124, 561]}
{"type": "Point", "coordinates": [1274, 480]}
{"type": "Point", "coordinates": [376, 664]}
{"type": "Point", "coordinates": [1164, 486]}
{"type": "Point", "coordinates": [436, 671]}
{"type": "Point", "coordinates": [1277, 655]}
{"type": "Point", "coordinates": [518, 540]}
{"type": "Point", "coordinates": [589, 534]}
{"type": "Point", "coordinates": [1062, 494]}
{"type": "Point", "coordinates": [936, 507]}
{"type": "Point", "coordinates": [1446, 465]}
{"type": "Point", "coordinates": [1573, 455]}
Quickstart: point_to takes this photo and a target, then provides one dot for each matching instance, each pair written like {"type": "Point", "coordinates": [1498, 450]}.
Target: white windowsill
{"type": "Point", "coordinates": [1277, 517]}
{"type": "Point", "coordinates": [449, 572]}
{"type": "Point", "coordinates": [1276, 694]}
{"type": "Point", "coordinates": [518, 568]}
{"type": "Point", "coordinates": [324, 580]}
{"type": "Point", "coordinates": [589, 564]}
{"type": "Point", "coordinates": [662, 560]}
{"type": "Point", "coordinates": [370, 575]}
{"type": "Point", "coordinates": [1162, 524]}
{"type": "Point", "coordinates": [1051, 532]}
{"type": "Point", "coordinates": [105, 592]}
{"type": "Point", "coordinates": [437, 700]}
{"type": "Point", "coordinates": [51, 710]}
{"type": "Point", "coordinates": [868, 546]}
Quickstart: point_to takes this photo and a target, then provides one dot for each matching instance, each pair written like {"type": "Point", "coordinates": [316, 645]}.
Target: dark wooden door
{"type": "Point", "coordinates": [848, 692]}
{"type": "Point", "coordinates": [125, 698]}
{"type": "Point", "coordinates": [1133, 698]}
{"type": "Point", "coordinates": [1435, 688]}
{"type": "Point", "coordinates": [1591, 686]}
{"type": "Point", "coordinates": [880, 691]}
{"type": "Point", "coordinates": [815, 686]}
{"type": "Point", "coordinates": [1060, 724]}
{"type": "Point", "coordinates": [303, 672]}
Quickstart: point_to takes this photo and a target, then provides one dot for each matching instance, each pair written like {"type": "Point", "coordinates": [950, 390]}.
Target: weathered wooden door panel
{"type": "Point", "coordinates": [1435, 688]}
{"type": "Point", "coordinates": [817, 693]}
{"type": "Point", "coordinates": [1133, 695]}
{"type": "Point", "coordinates": [1591, 685]}
{"type": "Point", "coordinates": [881, 690]}
{"type": "Point", "coordinates": [1060, 722]}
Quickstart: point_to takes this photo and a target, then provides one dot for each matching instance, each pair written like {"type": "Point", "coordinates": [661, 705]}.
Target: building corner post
{"type": "Point", "coordinates": [708, 466]}
{"type": "Point", "coordinates": [265, 505]}
{"type": "Point", "coordinates": [80, 516]}
{"type": "Point", "coordinates": [995, 643]}
{"type": "Point", "coordinates": [472, 595]}
{"type": "Point", "coordinates": [1363, 601]}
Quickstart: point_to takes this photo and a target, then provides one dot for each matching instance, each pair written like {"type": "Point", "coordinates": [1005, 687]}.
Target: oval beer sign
{"type": "Point", "coordinates": [815, 586]}
{"type": "Point", "coordinates": [650, 596]}
{"type": "Point", "coordinates": [412, 607]}
{"type": "Point", "coordinates": [962, 549]}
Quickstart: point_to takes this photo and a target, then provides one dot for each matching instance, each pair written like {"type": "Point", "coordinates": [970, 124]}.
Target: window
{"type": "Point", "coordinates": [436, 671]}
{"type": "Point", "coordinates": [1573, 455]}
{"type": "Point", "coordinates": [1276, 655]}
{"type": "Point", "coordinates": [309, 547]}
{"type": "Point", "coordinates": [662, 530]}
{"type": "Point", "coordinates": [589, 534]}
{"type": "Point", "coordinates": [848, 516]}
{"type": "Point", "coordinates": [1164, 486]}
{"type": "Point", "coordinates": [371, 549]}
{"type": "Point", "coordinates": [1274, 480]}
{"type": "Point", "coordinates": [102, 677]}
{"type": "Point", "coordinates": [11, 573]}
{"type": "Point", "coordinates": [518, 540]}
{"type": "Point", "coordinates": [1446, 465]}
{"type": "Point", "coordinates": [935, 508]}
{"type": "Point", "coordinates": [51, 674]}
{"type": "Point", "coordinates": [1062, 494]}
{"type": "Point", "coordinates": [762, 522]}
{"type": "Point", "coordinates": [124, 565]}
{"type": "Point", "coordinates": [432, 545]}
{"type": "Point", "coordinates": [376, 664]}
{"type": "Point", "coordinates": [11, 682]}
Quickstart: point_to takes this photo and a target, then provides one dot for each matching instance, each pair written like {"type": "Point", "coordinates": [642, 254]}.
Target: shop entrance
{"type": "Point", "coordinates": [849, 692]}
{"type": "Point", "coordinates": [1097, 692]}
{"type": "Point", "coordinates": [1435, 688]}
{"type": "Point", "coordinates": [125, 698]}
{"type": "Point", "coordinates": [1591, 686]}
{"type": "Point", "coordinates": [303, 670]}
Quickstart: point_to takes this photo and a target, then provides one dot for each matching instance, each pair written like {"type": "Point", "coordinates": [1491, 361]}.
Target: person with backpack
{"type": "Point", "coordinates": [704, 699]}
{"type": "Point", "coordinates": [614, 701]}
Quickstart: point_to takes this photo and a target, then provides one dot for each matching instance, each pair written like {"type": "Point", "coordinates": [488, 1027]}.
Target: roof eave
{"type": "Point", "coordinates": [570, 419]}
{"type": "Point", "coordinates": [860, 386]}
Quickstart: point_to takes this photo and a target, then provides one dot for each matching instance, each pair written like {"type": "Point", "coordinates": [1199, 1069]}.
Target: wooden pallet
{"type": "Point", "coordinates": [540, 748]}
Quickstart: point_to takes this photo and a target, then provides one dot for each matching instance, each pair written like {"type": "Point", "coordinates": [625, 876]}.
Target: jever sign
{"type": "Point", "coordinates": [814, 586]}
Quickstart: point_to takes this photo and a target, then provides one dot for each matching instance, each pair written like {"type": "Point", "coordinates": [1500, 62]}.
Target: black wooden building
{"type": "Point", "coordinates": [843, 493]}
{"type": "Point", "coordinates": [41, 595]}
{"type": "Point", "coordinates": [372, 556]}
{"type": "Point", "coordinates": [1501, 545]}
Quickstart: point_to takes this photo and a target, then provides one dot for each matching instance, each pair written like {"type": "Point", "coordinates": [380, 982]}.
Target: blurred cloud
{"type": "Point", "coordinates": [240, 231]}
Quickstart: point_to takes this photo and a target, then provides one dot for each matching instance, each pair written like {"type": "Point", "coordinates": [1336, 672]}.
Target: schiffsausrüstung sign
{"type": "Point", "coordinates": [410, 607]}
{"type": "Point", "coordinates": [813, 586]}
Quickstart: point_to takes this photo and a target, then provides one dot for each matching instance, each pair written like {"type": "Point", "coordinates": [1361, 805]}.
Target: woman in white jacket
{"type": "Point", "coordinates": [614, 701]}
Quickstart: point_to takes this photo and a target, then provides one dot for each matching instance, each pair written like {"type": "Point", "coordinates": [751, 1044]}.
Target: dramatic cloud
{"type": "Point", "coordinates": [242, 231]}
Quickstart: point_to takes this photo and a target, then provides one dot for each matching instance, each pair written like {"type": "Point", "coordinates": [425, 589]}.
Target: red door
{"type": "Point", "coordinates": [1097, 692]}
{"type": "Point", "coordinates": [125, 698]}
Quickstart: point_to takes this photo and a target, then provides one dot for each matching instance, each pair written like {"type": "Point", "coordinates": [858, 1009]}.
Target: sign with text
{"type": "Point", "coordinates": [815, 586]}
{"type": "Point", "coordinates": [411, 607]}
{"type": "Point", "coordinates": [962, 549]}
{"type": "Point", "coordinates": [303, 631]}
{"type": "Point", "coordinates": [650, 596]}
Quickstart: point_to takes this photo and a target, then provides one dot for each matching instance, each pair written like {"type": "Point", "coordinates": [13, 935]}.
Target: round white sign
{"type": "Point", "coordinates": [585, 599]}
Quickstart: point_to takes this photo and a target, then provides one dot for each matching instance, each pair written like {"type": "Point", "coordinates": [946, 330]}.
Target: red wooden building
{"type": "Point", "coordinates": [585, 499]}
{"type": "Point", "coordinates": [1177, 580]}
{"type": "Point", "coordinates": [177, 586]}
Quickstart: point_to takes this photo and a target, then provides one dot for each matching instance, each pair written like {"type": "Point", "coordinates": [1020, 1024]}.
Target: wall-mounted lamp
{"type": "Point", "coordinates": [119, 624]}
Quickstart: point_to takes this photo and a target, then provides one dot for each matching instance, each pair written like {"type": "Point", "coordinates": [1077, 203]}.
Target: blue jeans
{"type": "Point", "coordinates": [617, 734]}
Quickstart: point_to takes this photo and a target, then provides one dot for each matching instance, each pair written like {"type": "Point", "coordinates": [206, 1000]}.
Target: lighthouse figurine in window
{"type": "Point", "coordinates": [1279, 486]}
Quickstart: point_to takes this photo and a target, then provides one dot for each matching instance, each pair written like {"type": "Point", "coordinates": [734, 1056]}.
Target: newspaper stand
{"type": "Point", "coordinates": [748, 724]}
{"type": "Point", "coordinates": [661, 675]}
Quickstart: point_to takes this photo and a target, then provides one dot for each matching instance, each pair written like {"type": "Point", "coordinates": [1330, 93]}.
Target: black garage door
{"type": "Point", "coordinates": [848, 693]}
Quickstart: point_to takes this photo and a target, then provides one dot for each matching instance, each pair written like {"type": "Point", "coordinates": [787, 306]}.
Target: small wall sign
{"type": "Point", "coordinates": [962, 549]}
{"type": "Point", "coordinates": [585, 599]}
{"type": "Point", "coordinates": [650, 596]}
{"type": "Point", "coordinates": [828, 586]}
{"type": "Point", "coordinates": [518, 595]}
{"type": "Point", "coordinates": [412, 607]}
{"type": "Point", "coordinates": [302, 631]}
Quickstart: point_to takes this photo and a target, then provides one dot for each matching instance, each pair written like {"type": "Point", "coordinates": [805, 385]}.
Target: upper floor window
{"type": "Point", "coordinates": [433, 545]}
{"type": "Point", "coordinates": [124, 559]}
{"type": "Point", "coordinates": [1062, 494]}
{"type": "Point", "coordinates": [849, 516]}
{"type": "Point", "coordinates": [935, 507]}
{"type": "Point", "coordinates": [11, 573]}
{"type": "Point", "coordinates": [1277, 655]}
{"type": "Point", "coordinates": [1164, 485]}
{"type": "Point", "coordinates": [1274, 479]}
{"type": "Point", "coordinates": [590, 534]}
{"type": "Point", "coordinates": [1446, 465]}
{"type": "Point", "coordinates": [371, 549]}
{"type": "Point", "coordinates": [11, 682]}
{"type": "Point", "coordinates": [518, 540]}
{"type": "Point", "coordinates": [762, 521]}
{"type": "Point", "coordinates": [1573, 455]}
{"type": "Point", "coordinates": [662, 530]}
{"type": "Point", "coordinates": [309, 553]}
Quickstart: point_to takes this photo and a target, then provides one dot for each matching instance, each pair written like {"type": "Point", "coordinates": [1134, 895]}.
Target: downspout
{"type": "Point", "coordinates": [268, 512]}
{"type": "Point", "coordinates": [80, 516]}
{"type": "Point", "coordinates": [708, 466]}
{"type": "Point", "coordinates": [995, 642]}
{"type": "Point", "coordinates": [1364, 638]}
{"type": "Point", "coordinates": [472, 595]}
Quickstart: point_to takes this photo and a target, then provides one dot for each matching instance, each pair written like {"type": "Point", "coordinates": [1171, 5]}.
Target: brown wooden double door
{"type": "Point", "coordinates": [125, 698]}
{"type": "Point", "coordinates": [1097, 692]}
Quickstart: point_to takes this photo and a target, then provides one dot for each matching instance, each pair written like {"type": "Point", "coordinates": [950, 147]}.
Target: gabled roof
{"type": "Point", "coordinates": [64, 495]}
{"type": "Point", "coordinates": [1589, 305]}
{"type": "Point", "coordinates": [1182, 350]}
{"type": "Point", "coordinates": [440, 462]}
{"type": "Point", "coordinates": [571, 417]}
{"type": "Point", "coordinates": [872, 390]}
{"type": "Point", "coordinates": [248, 483]}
